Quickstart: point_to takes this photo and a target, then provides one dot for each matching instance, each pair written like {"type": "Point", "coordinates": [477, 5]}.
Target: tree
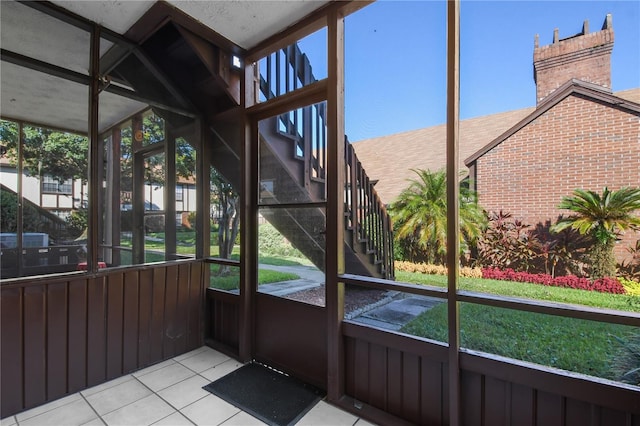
{"type": "Point", "coordinates": [60, 155]}
{"type": "Point", "coordinates": [603, 218]}
{"type": "Point", "coordinates": [227, 198]}
{"type": "Point", "coordinates": [420, 215]}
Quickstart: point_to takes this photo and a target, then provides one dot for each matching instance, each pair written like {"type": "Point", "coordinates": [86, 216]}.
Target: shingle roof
{"type": "Point", "coordinates": [390, 159]}
{"type": "Point", "coordinates": [570, 87]}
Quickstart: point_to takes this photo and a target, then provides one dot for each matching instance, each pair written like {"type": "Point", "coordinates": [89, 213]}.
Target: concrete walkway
{"type": "Point", "coordinates": [310, 277]}
{"type": "Point", "coordinates": [395, 314]}
{"type": "Point", "coordinates": [391, 313]}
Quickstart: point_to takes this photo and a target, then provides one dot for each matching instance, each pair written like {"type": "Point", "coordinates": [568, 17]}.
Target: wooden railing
{"type": "Point", "coordinates": [39, 260]}
{"type": "Point", "coordinates": [287, 70]}
{"type": "Point", "coordinates": [366, 215]}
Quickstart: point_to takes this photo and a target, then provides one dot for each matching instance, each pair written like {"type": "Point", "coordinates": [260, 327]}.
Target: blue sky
{"type": "Point", "coordinates": [395, 64]}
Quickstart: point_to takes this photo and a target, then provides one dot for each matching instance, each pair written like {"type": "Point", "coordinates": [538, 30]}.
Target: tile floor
{"type": "Point", "coordinates": [168, 393]}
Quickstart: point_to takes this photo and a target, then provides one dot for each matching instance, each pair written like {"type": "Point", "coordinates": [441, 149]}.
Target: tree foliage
{"type": "Point", "coordinates": [228, 201]}
{"type": "Point", "coordinates": [603, 218]}
{"type": "Point", "coordinates": [420, 218]}
{"type": "Point", "coordinates": [60, 155]}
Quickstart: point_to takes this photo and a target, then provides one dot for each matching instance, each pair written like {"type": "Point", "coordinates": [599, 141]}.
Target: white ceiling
{"type": "Point", "coordinates": [36, 97]}
{"type": "Point", "coordinates": [244, 22]}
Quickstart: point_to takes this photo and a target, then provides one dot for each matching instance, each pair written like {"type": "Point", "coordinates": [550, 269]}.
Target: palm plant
{"type": "Point", "coordinates": [603, 218]}
{"type": "Point", "coordinates": [420, 217]}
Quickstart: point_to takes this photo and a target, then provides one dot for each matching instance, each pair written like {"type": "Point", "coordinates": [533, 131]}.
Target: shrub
{"type": "Point", "coordinates": [272, 243]}
{"type": "Point", "coordinates": [630, 287]}
{"type": "Point", "coordinates": [603, 285]}
{"type": "Point", "coordinates": [510, 243]}
{"type": "Point", "coordinates": [630, 270]}
{"type": "Point", "coordinates": [430, 269]}
{"type": "Point", "coordinates": [626, 362]}
{"type": "Point", "coordinates": [507, 243]}
{"type": "Point", "coordinates": [76, 223]}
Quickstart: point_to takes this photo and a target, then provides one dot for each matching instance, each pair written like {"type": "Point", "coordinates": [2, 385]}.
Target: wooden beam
{"type": "Point", "coordinates": [334, 298]}
{"type": "Point", "coordinates": [76, 77]}
{"type": "Point", "coordinates": [312, 23]}
{"type": "Point", "coordinates": [44, 67]}
{"type": "Point", "coordinates": [453, 241]}
{"type": "Point", "coordinates": [249, 218]}
{"type": "Point", "coordinates": [95, 148]}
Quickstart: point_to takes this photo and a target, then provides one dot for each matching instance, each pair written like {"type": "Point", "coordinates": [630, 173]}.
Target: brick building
{"type": "Point", "coordinates": [580, 135]}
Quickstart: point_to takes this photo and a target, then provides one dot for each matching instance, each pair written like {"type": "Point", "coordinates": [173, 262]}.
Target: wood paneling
{"type": "Point", "coordinates": [57, 337]}
{"type": "Point", "coordinates": [82, 331]}
{"type": "Point", "coordinates": [404, 383]}
{"type": "Point", "coordinates": [77, 337]}
{"type": "Point", "coordinates": [223, 320]}
{"type": "Point", "coordinates": [115, 316]}
{"type": "Point", "coordinates": [145, 294]}
{"type": "Point", "coordinates": [34, 346]}
{"type": "Point", "coordinates": [131, 321]}
{"type": "Point", "coordinates": [96, 331]}
{"type": "Point", "coordinates": [11, 354]}
{"type": "Point", "coordinates": [292, 336]}
{"type": "Point", "coordinates": [407, 378]}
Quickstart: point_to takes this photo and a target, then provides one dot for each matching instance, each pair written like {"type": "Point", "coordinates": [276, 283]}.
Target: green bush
{"type": "Point", "coordinates": [272, 243]}
{"type": "Point", "coordinates": [77, 223]}
{"type": "Point", "coordinates": [626, 363]}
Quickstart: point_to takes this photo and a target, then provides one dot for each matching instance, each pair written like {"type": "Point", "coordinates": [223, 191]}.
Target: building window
{"type": "Point", "coordinates": [179, 192]}
{"type": "Point", "coordinates": [51, 185]}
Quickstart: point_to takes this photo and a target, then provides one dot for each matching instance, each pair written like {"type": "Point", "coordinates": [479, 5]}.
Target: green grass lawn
{"type": "Point", "coordinates": [530, 291]}
{"type": "Point", "coordinates": [582, 346]}
{"type": "Point", "coordinates": [587, 347]}
{"type": "Point", "coordinates": [231, 281]}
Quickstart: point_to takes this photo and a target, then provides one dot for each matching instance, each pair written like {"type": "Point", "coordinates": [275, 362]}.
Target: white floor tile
{"type": "Point", "coordinates": [175, 419]}
{"type": "Point", "coordinates": [20, 417]}
{"type": "Point", "coordinates": [210, 410]}
{"type": "Point", "coordinates": [362, 422]}
{"type": "Point", "coordinates": [106, 385]}
{"type": "Point", "coordinates": [118, 396]}
{"type": "Point", "coordinates": [204, 360]}
{"type": "Point", "coordinates": [8, 421]}
{"type": "Point", "coordinates": [166, 376]}
{"type": "Point", "coordinates": [153, 368]}
{"type": "Point", "coordinates": [142, 412]}
{"type": "Point", "coordinates": [185, 392]}
{"type": "Point", "coordinates": [77, 412]}
{"type": "Point", "coordinates": [213, 374]}
{"type": "Point", "coordinates": [243, 419]}
{"type": "Point", "coordinates": [192, 353]}
{"type": "Point", "coordinates": [95, 422]}
{"type": "Point", "coordinates": [325, 414]}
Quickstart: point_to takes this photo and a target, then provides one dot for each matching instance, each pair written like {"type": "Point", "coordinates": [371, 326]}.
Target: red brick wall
{"type": "Point", "coordinates": [585, 57]}
{"type": "Point", "coordinates": [578, 143]}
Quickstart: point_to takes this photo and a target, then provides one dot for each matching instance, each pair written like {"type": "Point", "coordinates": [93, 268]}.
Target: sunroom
{"type": "Point", "coordinates": [152, 152]}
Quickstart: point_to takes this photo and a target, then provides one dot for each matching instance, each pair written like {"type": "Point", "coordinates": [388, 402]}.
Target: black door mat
{"type": "Point", "coordinates": [273, 397]}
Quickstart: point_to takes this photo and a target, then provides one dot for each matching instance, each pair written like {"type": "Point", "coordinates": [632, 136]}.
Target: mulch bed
{"type": "Point", "coordinates": [355, 298]}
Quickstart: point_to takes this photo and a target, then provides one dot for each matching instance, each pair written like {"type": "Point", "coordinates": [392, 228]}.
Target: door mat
{"type": "Point", "coordinates": [273, 397]}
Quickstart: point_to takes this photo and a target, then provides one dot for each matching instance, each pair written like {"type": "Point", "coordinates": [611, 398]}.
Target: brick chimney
{"type": "Point", "coordinates": [584, 56]}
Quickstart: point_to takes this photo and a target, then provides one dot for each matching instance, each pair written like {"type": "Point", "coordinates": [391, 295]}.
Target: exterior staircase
{"type": "Point", "coordinates": [292, 151]}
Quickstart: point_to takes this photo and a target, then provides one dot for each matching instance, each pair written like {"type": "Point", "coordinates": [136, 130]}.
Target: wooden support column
{"type": "Point", "coordinates": [114, 184]}
{"type": "Point", "coordinates": [137, 193]}
{"type": "Point", "coordinates": [453, 241]}
{"type": "Point", "coordinates": [93, 222]}
{"type": "Point", "coordinates": [170, 193]}
{"type": "Point", "coordinates": [203, 201]}
{"type": "Point", "coordinates": [335, 207]}
{"type": "Point", "coordinates": [249, 212]}
{"type": "Point", "coordinates": [20, 219]}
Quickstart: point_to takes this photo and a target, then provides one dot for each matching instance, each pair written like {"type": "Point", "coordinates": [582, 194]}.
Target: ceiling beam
{"type": "Point", "coordinates": [76, 77]}
{"type": "Point", "coordinates": [78, 21]}
{"type": "Point", "coordinates": [43, 67]}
